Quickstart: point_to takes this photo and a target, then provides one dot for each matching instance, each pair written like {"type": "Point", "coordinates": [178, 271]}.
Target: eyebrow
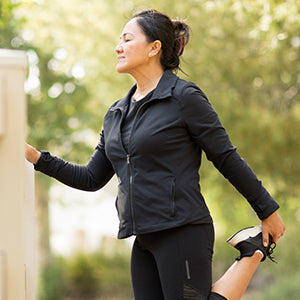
{"type": "Point", "coordinates": [125, 33]}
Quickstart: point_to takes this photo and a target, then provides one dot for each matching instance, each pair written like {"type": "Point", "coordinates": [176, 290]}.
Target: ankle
{"type": "Point", "coordinates": [259, 254]}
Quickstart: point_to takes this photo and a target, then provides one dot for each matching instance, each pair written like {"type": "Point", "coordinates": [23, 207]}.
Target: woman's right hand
{"type": "Point", "coordinates": [274, 226]}
{"type": "Point", "coordinates": [31, 154]}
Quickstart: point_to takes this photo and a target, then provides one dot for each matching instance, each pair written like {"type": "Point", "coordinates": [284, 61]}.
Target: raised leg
{"type": "Point", "coordinates": [232, 285]}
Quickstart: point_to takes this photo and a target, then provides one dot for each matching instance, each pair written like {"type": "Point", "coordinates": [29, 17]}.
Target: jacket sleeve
{"type": "Point", "coordinates": [207, 131]}
{"type": "Point", "coordinates": [90, 177]}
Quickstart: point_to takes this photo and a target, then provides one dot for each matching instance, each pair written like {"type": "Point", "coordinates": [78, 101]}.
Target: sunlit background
{"type": "Point", "coordinates": [245, 55]}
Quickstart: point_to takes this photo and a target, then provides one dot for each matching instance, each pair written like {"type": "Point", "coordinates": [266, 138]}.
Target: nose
{"type": "Point", "coordinates": [118, 48]}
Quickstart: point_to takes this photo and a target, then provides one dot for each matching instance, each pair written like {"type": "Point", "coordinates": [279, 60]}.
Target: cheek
{"type": "Point", "coordinates": [139, 58]}
{"type": "Point", "coordinates": [138, 52]}
{"type": "Point", "coordinates": [135, 55]}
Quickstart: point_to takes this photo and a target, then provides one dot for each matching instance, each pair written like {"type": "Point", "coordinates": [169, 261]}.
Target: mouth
{"type": "Point", "coordinates": [121, 58]}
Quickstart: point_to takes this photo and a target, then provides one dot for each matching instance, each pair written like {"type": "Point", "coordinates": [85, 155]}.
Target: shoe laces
{"type": "Point", "coordinates": [270, 250]}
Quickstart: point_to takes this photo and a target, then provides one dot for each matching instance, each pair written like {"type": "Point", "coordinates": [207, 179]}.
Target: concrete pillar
{"type": "Point", "coordinates": [17, 217]}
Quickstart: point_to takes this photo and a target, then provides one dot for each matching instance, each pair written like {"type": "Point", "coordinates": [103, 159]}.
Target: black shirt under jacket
{"type": "Point", "coordinates": [159, 172]}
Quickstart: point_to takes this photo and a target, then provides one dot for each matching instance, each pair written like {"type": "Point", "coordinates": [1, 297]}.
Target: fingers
{"type": "Point", "coordinates": [265, 238]}
{"type": "Point", "coordinates": [279, 233]}
{"type": "Point", "coordinates": [278, 230]}
{"type": "Point", "coordinates": [31, 154]}
{"type": "Point", "coordinates": [273, 226]}
{"type": "Point", "coordinates": [276, 236]}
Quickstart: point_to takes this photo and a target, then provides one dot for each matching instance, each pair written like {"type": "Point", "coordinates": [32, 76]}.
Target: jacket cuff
{"type": "Point", "coordinates": [264, 207]}
{"type": "Point", "coordinates": [43, 161]}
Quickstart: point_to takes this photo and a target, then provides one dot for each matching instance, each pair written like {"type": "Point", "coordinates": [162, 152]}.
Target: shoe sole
{"type": "Point", "coordinates": [243, 235]}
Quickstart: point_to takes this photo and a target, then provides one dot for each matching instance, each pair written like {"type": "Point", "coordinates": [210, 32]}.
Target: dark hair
{"type": "Point", "coordinates": [173, 34]}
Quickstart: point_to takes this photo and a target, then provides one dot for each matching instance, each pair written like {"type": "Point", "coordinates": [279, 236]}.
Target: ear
{"type": "Point", "coordinates": [155, 48]}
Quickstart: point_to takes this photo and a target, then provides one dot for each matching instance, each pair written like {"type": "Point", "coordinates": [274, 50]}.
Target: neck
{"type": "Point", "coordinates": [146, 82]}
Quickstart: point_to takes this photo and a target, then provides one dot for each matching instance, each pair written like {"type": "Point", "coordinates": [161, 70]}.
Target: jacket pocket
{"type": "Point", "coordinates": [172, 197]}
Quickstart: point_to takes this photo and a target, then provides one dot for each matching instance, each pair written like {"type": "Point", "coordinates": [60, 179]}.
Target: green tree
{"type": "Point", "coordinates": [8, 24]}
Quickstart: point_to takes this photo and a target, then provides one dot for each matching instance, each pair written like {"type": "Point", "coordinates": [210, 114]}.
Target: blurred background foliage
{"type": "Point", "coordinates": [245, 55]}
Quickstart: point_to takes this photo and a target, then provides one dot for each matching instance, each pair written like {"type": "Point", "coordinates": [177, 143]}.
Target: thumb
{"type": "Point", "coordinates": [265, 235]}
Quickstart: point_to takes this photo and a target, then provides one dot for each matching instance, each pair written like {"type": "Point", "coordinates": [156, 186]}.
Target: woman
{"type": "Point", "coordinates": [152, 139]}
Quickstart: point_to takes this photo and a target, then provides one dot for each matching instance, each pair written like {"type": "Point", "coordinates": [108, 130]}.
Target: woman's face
{"type": "Point", "coordinates": [133, 49]}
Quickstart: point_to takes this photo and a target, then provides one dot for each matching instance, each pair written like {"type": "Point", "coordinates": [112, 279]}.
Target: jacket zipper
{"type": "Point", "coordinates": [173, 199]}
{"type": "Point", "coordinates": [130, 175]}
{"type": "Point", "coordinates": [130, 168]}
{"type": "Point", "coordinates": [130, 194]}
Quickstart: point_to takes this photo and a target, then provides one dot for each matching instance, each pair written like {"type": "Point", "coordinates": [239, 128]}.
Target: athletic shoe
{"type": "Point", "coordinates": [249, 240]}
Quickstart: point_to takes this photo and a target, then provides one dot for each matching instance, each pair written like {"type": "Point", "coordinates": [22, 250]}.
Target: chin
{"type": "Point", "coordinates": [121, 69]}
{"type": "Point", "coordinates": [122, 66]}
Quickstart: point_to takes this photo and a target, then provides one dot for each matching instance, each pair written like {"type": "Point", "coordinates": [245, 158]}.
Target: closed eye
{"type": "Point", "coordinates": [125, 37]}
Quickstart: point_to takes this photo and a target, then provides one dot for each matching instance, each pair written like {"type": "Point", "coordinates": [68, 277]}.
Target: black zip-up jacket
{"type": "Point", "coordinates": [159, 175]}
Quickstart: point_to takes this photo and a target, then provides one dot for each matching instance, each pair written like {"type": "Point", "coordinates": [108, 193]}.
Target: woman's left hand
{"type": "Point", "coordinates": [31, 154]}
{"type": "Point", "coordinates": [274, 226]}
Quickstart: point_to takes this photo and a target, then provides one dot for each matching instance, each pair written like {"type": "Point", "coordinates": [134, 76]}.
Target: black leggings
{"type": "Point", "coordinates": [174, 264]}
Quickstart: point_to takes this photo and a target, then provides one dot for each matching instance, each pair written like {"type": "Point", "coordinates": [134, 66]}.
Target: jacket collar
{"type": "Point", "coordinates": [163, 89]}
{"type": "Point", "coordinates": [165, 85]}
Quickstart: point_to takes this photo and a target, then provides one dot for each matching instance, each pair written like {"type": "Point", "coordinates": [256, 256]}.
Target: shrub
{"type": "Point", "coordinates": [81, 281]}
{"type": "Point", "coordinates": [51, 283]}
{"type": "Point", "coordinates": [285, 287]}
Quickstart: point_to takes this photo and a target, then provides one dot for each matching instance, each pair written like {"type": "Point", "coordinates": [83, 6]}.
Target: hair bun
{"type": "Point", "coordinates": [182, 35]}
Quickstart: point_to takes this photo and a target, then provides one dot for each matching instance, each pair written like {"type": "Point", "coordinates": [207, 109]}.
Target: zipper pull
{"type": "Point", "coordinates": [128, 159]}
